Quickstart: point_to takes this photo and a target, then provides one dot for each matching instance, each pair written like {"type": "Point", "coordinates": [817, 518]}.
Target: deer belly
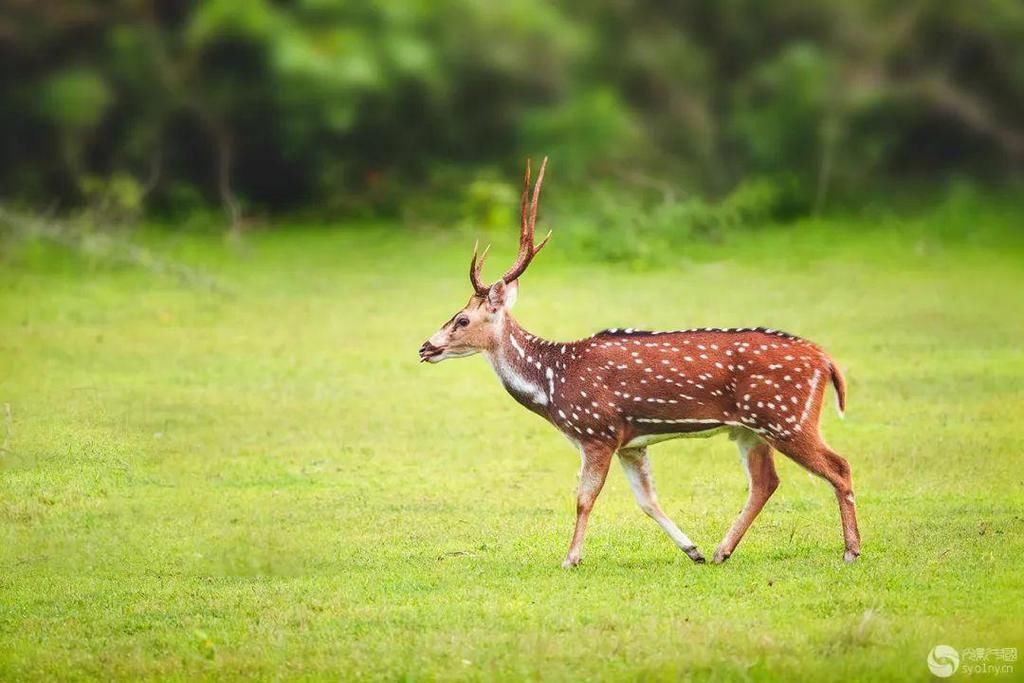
{"type": "Point", "coordinates": [657, 437]}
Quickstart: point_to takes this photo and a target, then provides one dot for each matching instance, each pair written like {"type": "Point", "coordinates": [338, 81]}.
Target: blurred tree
{"type": "Point", "coordinates": [259, 105]}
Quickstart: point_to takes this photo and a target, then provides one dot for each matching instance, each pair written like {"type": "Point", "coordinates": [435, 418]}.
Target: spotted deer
{"type": "Point", "coordinates": [622, 390]}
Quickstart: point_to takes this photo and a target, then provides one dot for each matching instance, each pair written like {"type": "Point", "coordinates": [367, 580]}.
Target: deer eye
{"type": "Point", "coordinates": [461, 322]}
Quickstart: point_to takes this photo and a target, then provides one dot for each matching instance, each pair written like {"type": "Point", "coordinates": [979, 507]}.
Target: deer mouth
{"type": "Point", "coordinates": [430, 353]}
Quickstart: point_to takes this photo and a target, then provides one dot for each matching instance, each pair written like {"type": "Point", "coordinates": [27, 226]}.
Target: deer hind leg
{"type": "Point", "coordinates": [638, 471]}
{"type": "Point", "coordinates": [815, 456]}
{"type": "Point", "coordinates": [759, 463]}
{"type": "Point", "coordinates": [593, 471]}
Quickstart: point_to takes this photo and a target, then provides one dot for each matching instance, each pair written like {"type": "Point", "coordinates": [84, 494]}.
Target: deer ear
{"type": "Point", "coordinates": [511, 293]}
{"type": "Point", "coordinates": [501, 296]}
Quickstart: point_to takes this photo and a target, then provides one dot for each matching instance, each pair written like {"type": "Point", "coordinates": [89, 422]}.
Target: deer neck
{"type": "Point", "coordinates": [525, 365]}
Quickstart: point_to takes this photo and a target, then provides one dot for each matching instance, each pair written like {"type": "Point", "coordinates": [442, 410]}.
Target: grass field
{"type": "Point", "coordinates": [263, 481]}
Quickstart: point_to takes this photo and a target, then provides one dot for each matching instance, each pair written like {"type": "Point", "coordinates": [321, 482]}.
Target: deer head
{"type": "Point", "coordinates": [477, 326]}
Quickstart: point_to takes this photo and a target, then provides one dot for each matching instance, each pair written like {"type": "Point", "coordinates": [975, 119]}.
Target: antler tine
{"type": "Point", "coordinates": [475, 267]}
{"type": "Point", "coordinates": [542, 243]}
{"type": "Point", "coordinates": [536, 195]}
{"type": "Point", "coordinates": [529, 221]}
{"type": "Point", "coordinates": [524, 202]}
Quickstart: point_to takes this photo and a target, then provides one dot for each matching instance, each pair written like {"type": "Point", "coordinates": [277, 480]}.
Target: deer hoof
{"type": "Point", "coordinates": [720, 556]}
{"type": "Point", "coordinates": [850, 555]}
{"type": "Point", "coordinates": [571, 562]}
{"type": "Point", "coordinates": [694, 554]}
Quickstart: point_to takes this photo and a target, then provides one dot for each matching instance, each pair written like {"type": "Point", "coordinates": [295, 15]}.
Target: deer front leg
{"type": "Point", "coordinates": [638, 472]}
{"type": "Point", "coordinates": [596, 459]}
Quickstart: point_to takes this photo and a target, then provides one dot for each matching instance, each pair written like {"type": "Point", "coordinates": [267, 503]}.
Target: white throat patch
{"type": "Point", "coordinates": [513, 379]}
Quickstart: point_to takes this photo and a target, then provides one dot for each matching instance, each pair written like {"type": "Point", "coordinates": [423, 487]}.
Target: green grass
{"type": "Point", "coordinates": [265, 482]}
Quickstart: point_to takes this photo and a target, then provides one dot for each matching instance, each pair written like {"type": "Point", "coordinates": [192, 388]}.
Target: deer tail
{"type": "Point", "coordinates": [839, 382]}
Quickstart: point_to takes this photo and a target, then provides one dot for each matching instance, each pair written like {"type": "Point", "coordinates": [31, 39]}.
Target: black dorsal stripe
{"type": "Point", "coordinates": [630, 332]}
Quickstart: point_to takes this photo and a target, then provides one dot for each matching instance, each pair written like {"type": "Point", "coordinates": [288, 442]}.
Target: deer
{"type": "Point", "coordinates": [624, 389]}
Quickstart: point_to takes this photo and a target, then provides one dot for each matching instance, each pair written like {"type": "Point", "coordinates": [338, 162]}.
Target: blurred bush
{"type": "Point", "coordinates": [695, 115]}
{"type": "Point", "coordinates": [619, 226]}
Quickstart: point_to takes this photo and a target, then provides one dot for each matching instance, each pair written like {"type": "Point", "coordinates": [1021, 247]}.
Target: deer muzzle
{"type": "Point", "coordinates": [429, 352]}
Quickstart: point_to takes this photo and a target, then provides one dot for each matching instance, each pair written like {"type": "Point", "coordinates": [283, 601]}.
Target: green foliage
{"type": "Point", "coordinates": [781, 111]}
{"type": "Point", "coordinates": [587, 131]}
{"type": "Point", "coordinates": [358, 107]}
{"type": "Point", "coordinates": [619, 226]}
{"type": "Point", "coordinates": [120, 194]}
{"type": "Point", "coordinates": [74, 99]}
{"type": "Point", "coordinates": [486, 203]}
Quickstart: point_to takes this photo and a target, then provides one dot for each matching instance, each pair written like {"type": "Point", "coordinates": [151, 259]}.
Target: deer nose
{"type": "Point", "coordinates": [427, 350]}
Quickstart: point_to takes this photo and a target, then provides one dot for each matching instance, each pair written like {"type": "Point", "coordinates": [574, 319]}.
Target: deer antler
{"type": "Point", "coordinates": [527, 225]}
{"type": "Point", "coordinates": [475, 267]}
